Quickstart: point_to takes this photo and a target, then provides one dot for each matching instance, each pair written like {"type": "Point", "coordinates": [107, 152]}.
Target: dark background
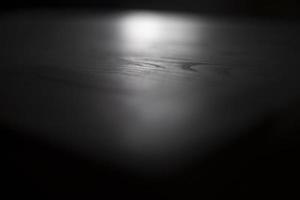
{"type": "Point", "coordinates": [263, 8]}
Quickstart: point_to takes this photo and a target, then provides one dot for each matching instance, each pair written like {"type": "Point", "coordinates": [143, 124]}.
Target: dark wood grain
{"type": "Point", "coordinates": [154, 94]}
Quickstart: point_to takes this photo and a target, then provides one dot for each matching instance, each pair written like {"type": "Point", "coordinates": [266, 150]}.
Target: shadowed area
{"type": "Point", "coordinates": [148, 103]}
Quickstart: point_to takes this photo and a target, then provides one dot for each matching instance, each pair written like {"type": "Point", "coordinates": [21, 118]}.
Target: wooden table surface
{"type": "Point", "coordinates": [162, 100]}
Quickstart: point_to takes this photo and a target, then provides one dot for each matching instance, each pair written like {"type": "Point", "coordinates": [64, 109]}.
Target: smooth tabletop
{"type": "Point", "coordinates": [153, 94]}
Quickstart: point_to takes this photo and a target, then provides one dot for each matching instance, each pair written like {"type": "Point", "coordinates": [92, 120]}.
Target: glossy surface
{"type": "Point", "coordinates": [151, 93]}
